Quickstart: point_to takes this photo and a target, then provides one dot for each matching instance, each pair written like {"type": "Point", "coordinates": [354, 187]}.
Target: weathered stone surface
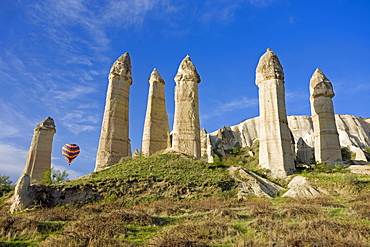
{"type": "Point", "coordinates": [206, 151]}
{"type": "Point", "coordinates": [22, 197]}
{"type": "Point", "coordinates": [275, 142]}
{"type": "Point", "coordinates": [186, 126]}
{"type": "Point", "coordinates": [360, 169]}
{"type": "Point", "coordinates": [304, 153]}
{"type": "Point", "coordinates": [114, 140]}
{"type": "Point", "coordinates": [156, 128]}
{"type": "Point", "coordinates": [39, 155]}
{"type": "Point", "coordinates": [252, 184]}
{"type": "Point", "coordinates": [327, 147]}
{"type": "Point", "coordinates": [300, 187]}
{"type": "Point", "coordinates": [352, 132]}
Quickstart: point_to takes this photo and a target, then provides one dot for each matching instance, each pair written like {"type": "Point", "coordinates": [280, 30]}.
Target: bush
{"type": "Point", "coordinates": [322, 167]}
{"type": "Point", "coordinates": [54, 176]}
{"type": "Point", "coordinates": [347, 154]}
{"type": "Point", "coordinates": [4, 184]}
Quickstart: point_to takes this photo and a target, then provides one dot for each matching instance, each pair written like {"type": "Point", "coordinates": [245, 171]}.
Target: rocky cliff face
{"type": "Point", "coordinates": [354, 133]}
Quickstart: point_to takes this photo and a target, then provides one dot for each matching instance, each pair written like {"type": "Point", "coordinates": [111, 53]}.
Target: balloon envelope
{"type": "Point", "coordinates": [70, 152]}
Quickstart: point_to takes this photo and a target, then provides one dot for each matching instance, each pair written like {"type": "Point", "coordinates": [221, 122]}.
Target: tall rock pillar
{"type": "Point", "coordinates": [156, 128]}
{"type": "Point", "coordinates": [327, 147]}
{"type": "Point", "coordinates": [186, 126]}
{"type": "Point", "coordinates": [39, 154]}
{"type": "Point", "coordinates": [114, 142]}
{"type": "Point", "coordinates": [275, 152]}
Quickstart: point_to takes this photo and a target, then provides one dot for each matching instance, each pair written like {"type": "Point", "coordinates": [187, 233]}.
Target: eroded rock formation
{"type": "Point", "coordinates": [250, 184]}
{"type": "Point", "coordinates": [300, 187]}
{"type": "Point", "coordinates": [156, 128]}
{"type": "Point", "coordinates": [275, 141]}
{"type": "Point", "coordinates": [22, 197]}
{"type": "Point", "coordinates": [352, 132]}
{"type": "Point", "coordinates": [327, 147]}
{"type": "Point", "coordinates": [114, 140]}
{"type": "Point", "coordinates": [206, 151]}
{"type": "Point", "coordinates": [39, 155]}
{"type": "Point", "coordinates": [186, 126]}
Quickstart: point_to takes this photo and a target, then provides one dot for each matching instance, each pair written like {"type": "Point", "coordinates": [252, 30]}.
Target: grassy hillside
{"type": "Point", "coordinates": [172, 200]}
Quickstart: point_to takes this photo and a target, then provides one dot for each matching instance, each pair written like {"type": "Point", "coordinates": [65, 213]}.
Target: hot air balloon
{"type": "Point", "coordinates": [70, 152]}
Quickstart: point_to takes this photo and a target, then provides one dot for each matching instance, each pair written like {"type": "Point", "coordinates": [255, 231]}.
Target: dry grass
{"type": "Point", "coordinates": [203, 222]}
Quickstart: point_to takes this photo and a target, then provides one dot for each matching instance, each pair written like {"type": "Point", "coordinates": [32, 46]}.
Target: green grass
{"type": "Point", "coordinates": [159, 176]}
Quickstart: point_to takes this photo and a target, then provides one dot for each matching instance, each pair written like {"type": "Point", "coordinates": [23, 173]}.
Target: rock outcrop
{"type": "Point", "coordinates": [22, 197]}
{"type": "Point", "coordinates": [300, 187]}
{"type": "Point", "coordinates": [327, 147]}
{"type": "Point", "coordinates": [186, 126]}
{"type": "Point", "coordinates": [39, 155]}
{"type": "Point", "coordinates": [252, 184]}
{"type": "Point", "coordinates": [156, 128]}
{"type": "Point", "coordinates": [354, 133]}
{"type": "Point", "coordinates": [360, 169]}
{"type": "Point", "coordinates": [206, 151]}
{"type": "Point", "coordinates": [114, 140]}
{"type": "Point", "coordinates": [275, 140]}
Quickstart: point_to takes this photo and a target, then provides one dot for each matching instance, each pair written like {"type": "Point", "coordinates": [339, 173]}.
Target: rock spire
{"type": "Point", "coordinates": [114, 140]}
{"type": "Point", "coordinates": [156, 128]}
{"type": "Point", "coordinates": [186, 127]}
{"type": "Point", "coordinates": [275, 140]}
{"type": "Point", "coordinates": [327, 147]}
{"type": "Point", "coordinates": [39, 155]}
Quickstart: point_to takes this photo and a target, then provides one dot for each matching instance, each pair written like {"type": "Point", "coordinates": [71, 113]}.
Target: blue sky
{"type": "Point", "coordinates": [55, 57]}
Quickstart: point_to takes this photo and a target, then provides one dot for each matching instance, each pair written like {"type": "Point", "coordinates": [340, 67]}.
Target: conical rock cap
{"type": "Point", "coordinates": [187, 71]}
{"type": "Point", "coordinates": [122, 67]}
{"type": "Point", "coordinates": [155, 77]}
{"type": "Point", "coordinates": [269, 67]}
{"type": "Point", "coordinates": [46, 124]}
{"type": "Point", "coordinates": [320, 85]}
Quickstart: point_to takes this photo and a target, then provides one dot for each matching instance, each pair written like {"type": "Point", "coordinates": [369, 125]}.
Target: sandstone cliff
{"type": "Point", "coordinates": [354, 133]}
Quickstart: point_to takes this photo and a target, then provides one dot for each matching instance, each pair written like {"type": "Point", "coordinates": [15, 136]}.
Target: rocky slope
{"type": "Point", "coordinates": [354, 133]}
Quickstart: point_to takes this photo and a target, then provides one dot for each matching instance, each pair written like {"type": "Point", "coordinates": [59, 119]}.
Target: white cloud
{"type": "Point", "coordinates": [219, 10]}
{"type": "Point", "coordinates": [78, 128]}
{"type": "Point", "coordinates": [12, 160]}
{"type": "Point", "coordinates": [7, 130]}
{"type": "Point", "coordinates": [73, 93]}
{"type": "Point", "coordinates": [80, 60]}
{"type": "Point", "coordinates": [261, 3]}
{"type": "Point", "coordinates": [13, 118]}
{"type": "Point", "coordinates": [221, 109]}
{"type": "Point", "coordinates": [79, 116]}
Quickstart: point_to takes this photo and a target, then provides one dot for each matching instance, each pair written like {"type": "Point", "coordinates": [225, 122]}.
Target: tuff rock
{"type": "Point", "coordinates": [275, 142]}
{"type": "Point", "coordinates": [114, 140]}
{"type": "Point", "coordinates": [186, 126]}
{"type": "Point", "coordinates": [156, 128]}
{"type": "Point", "coordinates": [252, 184]}
{"type": "Point", "coordinates": [327, 147]}
{"type": "Point", "coordinates": [39, 155]}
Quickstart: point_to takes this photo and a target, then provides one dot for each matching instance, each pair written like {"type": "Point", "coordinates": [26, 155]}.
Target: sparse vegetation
{"type": "Point", "coordinates": [54, 176]}
{"type": "Point", "coordinates": [4, 184]}
{"type": "Point", "coordinates": [171, 200]}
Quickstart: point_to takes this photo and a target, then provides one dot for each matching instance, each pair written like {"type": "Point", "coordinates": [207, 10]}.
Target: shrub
{"type": "Point", "coordinates": [54, 176]}
{"type": "Point", "coordinates": [4, 184]}
{"type": "Point", "coordinates": [322, 167]}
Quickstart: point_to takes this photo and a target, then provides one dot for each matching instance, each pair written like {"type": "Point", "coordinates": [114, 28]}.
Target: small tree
{"type": "Point", "coordinates": [4, 184]}
{"type": "Point", "coordinates": [54, 176]}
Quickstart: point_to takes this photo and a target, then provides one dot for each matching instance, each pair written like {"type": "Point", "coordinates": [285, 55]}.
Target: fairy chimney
{"type": "Point", "coordinates": [114, 140]}
{"type": "Point", "coordinates": [186, 127]}
{"type": "Point", "coordinates": [327, 147]}
{"type": "Point", "coordinates": [275, 152]}
{"type": "Point", "coordinates": [39, 155]}
{"type": "Point", "coordinates": [156, 128]}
